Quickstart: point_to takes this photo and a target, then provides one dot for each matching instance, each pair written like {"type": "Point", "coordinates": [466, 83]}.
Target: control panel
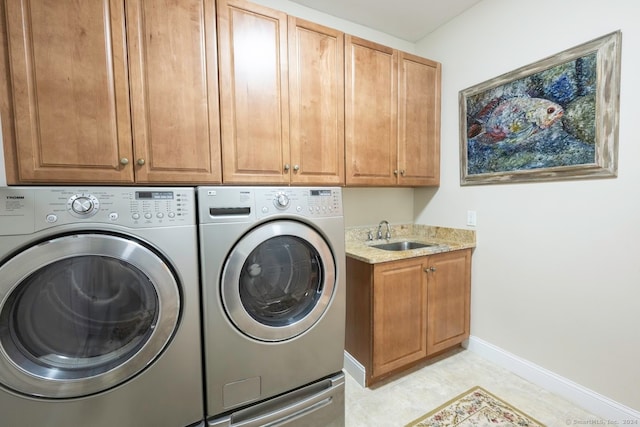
{"type": "Point", "coordinates": [310, 202]}
{"type": "Point", "coordinates": [44, 207]}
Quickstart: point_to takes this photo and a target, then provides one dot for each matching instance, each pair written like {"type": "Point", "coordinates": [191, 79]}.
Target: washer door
{"type": "Point", "coordinates": [82, 313]}
{"type": "Point", "coordinates": [278, 280]}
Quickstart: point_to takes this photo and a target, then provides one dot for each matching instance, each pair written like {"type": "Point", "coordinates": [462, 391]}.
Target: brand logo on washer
{"type": "Point", "coordinates": [15, 197]}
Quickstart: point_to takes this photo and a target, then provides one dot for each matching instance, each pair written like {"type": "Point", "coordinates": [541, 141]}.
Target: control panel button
{"type": "Point", "coordinates": [113, 216]}
{"type": "Point", "coordinates": [51, 218]}
{"type": "Point", "coordinates": [171, 215]}
{"type": "Point", "coordinates": [135, 216]}
{"type": "Point", "coordinates": [160, 215]}
{"type": "Point", "coordinates": [148, 215]}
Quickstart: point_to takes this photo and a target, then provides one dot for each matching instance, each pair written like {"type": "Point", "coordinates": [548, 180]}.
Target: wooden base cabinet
{"type": "Point", "coordinates": [403, 312]}
{"type": "Point", "coordinates": [109, 91]}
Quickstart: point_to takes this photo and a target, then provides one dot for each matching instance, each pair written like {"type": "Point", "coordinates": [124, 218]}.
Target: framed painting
{"type": "Point", "coordinates": [552, 120]}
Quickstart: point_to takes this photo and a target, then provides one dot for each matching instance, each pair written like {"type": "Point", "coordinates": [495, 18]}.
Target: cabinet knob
{"type": "Point", "coordinates": [395, 172]}
{"type": "Point", "coordinates": [402, 172]}
{"type": "Point", "coordinates": [287, 167]}
{"type": "Point", "coordinates": [124, 161]}
{"type": "Point", "coordinates": [296, 168]}
{"type": "Point", "coordinates": [429, 269]}
{"type": "Point", "coordinates": [140, 162]}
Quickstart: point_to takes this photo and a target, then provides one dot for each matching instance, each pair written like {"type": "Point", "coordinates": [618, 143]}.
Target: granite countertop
{"type": "Point", "coordinates": [445, 240]}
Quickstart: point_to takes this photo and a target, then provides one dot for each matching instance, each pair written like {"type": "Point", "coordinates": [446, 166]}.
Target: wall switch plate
{"type": "Point", "coordinates": [472, 218]}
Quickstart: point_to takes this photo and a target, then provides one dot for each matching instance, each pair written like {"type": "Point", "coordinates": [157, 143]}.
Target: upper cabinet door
{"type": "Point", "coordinates": [316, 103]}
{"type": "Point", "coordinates": [252, 44]}
{"type": "Point", "coordinates": [174, 90]}
{"type": "Point", "coordinates": [419, 121]}
{"type": "Point", "coordinates": [69, 90]}
{"type": "Point", "coordinates": [371, 113]}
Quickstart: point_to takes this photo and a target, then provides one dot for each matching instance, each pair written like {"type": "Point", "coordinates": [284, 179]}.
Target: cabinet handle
{"type": "Point", "coordinates": [140, 162]}
{"type": "Point", "coordinates": [296, 168]}
{"type": "Point", "coordinates": [124, 161]}
{"type": "Point", "coordinates": [429, 269]}
{"type": "Point", "coordinates": [286, 167]}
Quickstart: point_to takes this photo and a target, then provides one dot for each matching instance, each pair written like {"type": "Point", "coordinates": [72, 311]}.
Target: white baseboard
{"type": "Point", "coordinates": [354, 368]}
{"type": "Point", "coordinates": [581, 396]}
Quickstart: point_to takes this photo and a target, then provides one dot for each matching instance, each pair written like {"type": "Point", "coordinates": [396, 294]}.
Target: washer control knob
{"type": "Point", "coordinates": [282, 201]}
{"type": "Point", "coordinates": [83, 205]}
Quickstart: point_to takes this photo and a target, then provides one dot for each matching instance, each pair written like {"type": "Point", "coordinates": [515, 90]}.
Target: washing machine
{"type": "Point", "coordinates": [273, 287]}
{"type": "Point", "coordinates": [99, 307]}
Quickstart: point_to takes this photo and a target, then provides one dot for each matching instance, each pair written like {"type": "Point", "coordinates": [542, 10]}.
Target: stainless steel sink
{"type": "Point", "coordinates": [402, 246]}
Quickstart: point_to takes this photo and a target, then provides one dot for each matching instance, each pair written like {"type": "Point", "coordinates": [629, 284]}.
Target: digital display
{"type": "Point", "coordinates": [154, 195]}
{"type": "Point", "coordinates": [321, 192]}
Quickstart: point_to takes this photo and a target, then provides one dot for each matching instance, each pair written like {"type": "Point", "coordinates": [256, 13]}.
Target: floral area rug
{"type": "Point", "coordinates": [475, 408]}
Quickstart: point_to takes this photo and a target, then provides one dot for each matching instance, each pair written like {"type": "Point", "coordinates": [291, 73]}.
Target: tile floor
{"type": "Point", "coordinates": [406, 397]}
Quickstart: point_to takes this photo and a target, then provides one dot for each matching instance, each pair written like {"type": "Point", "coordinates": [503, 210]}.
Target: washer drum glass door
{"type": "Point", "coordinates": [83, 313]}
{"type": "Point", "coordinates": [278, 280]}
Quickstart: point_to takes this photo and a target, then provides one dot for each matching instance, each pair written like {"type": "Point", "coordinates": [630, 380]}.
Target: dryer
{"type": "Point", "coordinates": [273, 277]}
{"type": "Point", "coordinates": [99, 307]}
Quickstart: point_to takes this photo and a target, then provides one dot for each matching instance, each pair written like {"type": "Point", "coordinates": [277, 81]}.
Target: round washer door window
{"type": "Point", "coordinates": [83, 313]}
{"type": "Point", "coordinates": [278, 280]}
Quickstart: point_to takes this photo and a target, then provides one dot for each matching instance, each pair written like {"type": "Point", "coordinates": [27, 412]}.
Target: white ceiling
{"type": "Point", "coordinates": [409, 20]}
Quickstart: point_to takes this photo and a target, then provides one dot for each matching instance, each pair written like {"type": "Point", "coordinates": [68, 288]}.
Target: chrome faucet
{"type": "Point", "coordinates": [388, 234]}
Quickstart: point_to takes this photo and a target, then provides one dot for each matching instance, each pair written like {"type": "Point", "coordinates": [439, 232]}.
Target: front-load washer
{"type": "Point", "coordinates": [99, 307]}
{"type": "Point", "coordinates": [273, 278]}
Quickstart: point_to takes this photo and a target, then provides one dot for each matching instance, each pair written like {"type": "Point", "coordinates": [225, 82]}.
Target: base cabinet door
{"type": "Point", "coordinates": [399, 315]}
{"type": "Point", "coordinates": [448, 304]}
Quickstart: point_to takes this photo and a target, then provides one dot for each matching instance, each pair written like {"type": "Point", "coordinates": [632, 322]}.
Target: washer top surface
{"type": "Point", "coordinates": [223, 204]}
{"type": "Point", "coordinates": [25, 210]}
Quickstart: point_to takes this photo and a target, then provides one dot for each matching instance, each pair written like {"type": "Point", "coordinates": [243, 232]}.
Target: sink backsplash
{"type": "Point", "coordinates": [399, 231]}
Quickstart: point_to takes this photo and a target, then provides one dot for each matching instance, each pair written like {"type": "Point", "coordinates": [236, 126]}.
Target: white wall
{"type": "Point", "coordinates": [556, 275]}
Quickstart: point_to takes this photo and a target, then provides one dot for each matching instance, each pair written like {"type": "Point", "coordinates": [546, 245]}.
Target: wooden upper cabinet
{"type": "Point", "coordinates": [392, 116]}
{"type": "Point", "coordinates": [174, 90]}
{"type": "Point", "coordinates": [418, 121]}
{"type": "Point", "coordinates": [254, 97]}
{"type": "Point", "coordinates": [69, 90]}
{"type": "Point", "coordinates": [316, 100]}
{"type": "Point", "coordinates": [281, 96]}
{"type": "Point", "coordinates": [371, 113]}
{"type": "Point", "coordinates": [94, 100]}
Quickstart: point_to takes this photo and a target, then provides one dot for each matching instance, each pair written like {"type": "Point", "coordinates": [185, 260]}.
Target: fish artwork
{"type": "Point", "coordinates": [513, 120]}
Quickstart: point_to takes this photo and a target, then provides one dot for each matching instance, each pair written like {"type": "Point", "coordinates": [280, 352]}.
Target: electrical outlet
{"type": "Point", "coordinates": [472, 219]}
